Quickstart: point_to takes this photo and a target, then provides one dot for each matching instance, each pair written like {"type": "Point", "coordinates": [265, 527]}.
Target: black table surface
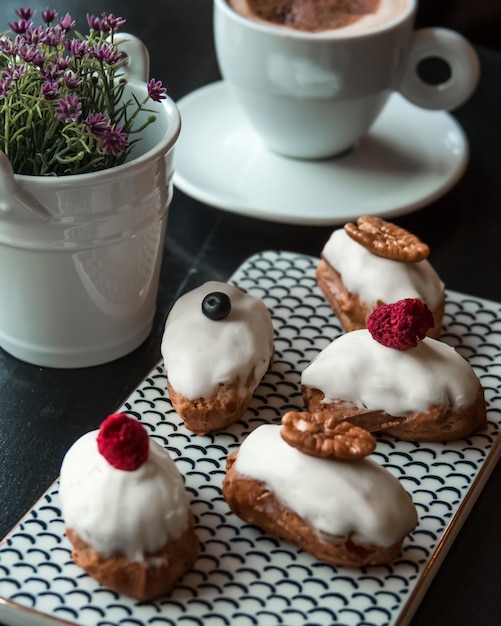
{"type": "Point", "coordinates": [43, 410]}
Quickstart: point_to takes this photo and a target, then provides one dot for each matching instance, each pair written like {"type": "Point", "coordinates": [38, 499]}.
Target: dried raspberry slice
{"type": "Point", "coordinates": [402, 324]}
{"type": "Point", "coordinates": [123, 441]}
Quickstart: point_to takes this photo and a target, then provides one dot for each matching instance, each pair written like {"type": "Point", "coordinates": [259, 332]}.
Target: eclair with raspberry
{"type": "Point", "coordinates": [315, 488]}
{"type": "Point", "coordinates": [375, 262]}
{"type": "Point", "coordinates": [217, 346]}
{"type": "Point", "coordinates": [126, 510]}
{"type": "Point", "coordinates": [392, 378]}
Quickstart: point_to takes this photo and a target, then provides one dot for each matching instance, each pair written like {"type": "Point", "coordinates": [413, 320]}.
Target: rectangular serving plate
{"type": "Point", "coordinates": [244, 577]}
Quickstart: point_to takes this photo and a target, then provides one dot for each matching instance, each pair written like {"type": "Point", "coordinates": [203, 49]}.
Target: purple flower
{"type": "Point", "coordinates": [98, 124]}
{"type": "Point", "coordinates": [68, 109]}
{"type": "Point", "coordinates": [51, 72]}
{"type": "Point", "coordinates": [106, 23]}
{"type": "Point", "coordinates": [107, 53]}
{"type": "Point", "coordinates": [20, 27]}
{"type": "Point", "coordinates": [7, 47]}
{"type": "Point", "coordinates": [35, 36]}
{"type": "Point", "coordinates": [50, 90]}
{"type": "Point", "coordinates": [62, 63]}
{"type": "Point", "coordinates": [114, 142]}
{"type": "Point", "coordinates": [72, 80]}
{"type": "Point", "coordinates": [95, 23]}
{"type": "Point", "coordinates": [25, 14]}
{"type": "Point", "coordinates": [156, 91]}
{"type": "Point", "coordinates": [77, 48]}
{"type": "Point", "coordinates": [5, 86]}
{"type": "Point", "coordinates": [114, 22]}
{"type": "Point", "coordinates": [66, 23]}
{"type": "Point", "coordinates": [53, 36]}
{"type": "Point", "coordinates": [30, 54]}
{"type": "Point", "coordinates": [49, 15]}
{"type": "Point", "coordinates": [14, 73]}
{"type": "Point", "coordinates": [26, 52]}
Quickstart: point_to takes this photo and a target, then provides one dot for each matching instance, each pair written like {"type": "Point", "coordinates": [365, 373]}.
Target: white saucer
{"type": "Point", "coordinates": [410, 158]}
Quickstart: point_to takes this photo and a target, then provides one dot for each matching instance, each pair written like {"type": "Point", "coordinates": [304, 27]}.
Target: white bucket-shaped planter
{"type": "Point", "coordinates": [80, 255]}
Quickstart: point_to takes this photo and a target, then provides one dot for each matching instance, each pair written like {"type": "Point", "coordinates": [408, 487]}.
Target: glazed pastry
{"type": "Point", "coordinates": [126, 510]}
{"type": "Point", "coordinates": [217, 346]}
{"type": "Point", "coordinates": [390, 377]}
{"type": "Point", "coordinates": [375, 262]}
{"type": "Point", "coordinates": [342, 512]}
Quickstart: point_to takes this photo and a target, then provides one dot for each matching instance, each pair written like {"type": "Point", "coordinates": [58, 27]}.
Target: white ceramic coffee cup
{"type": "Point", "coordinates": [315, 95]}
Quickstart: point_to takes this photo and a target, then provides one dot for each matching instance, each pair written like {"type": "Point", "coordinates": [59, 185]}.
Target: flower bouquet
{"type": "Point", "coordinates": [62, 104]}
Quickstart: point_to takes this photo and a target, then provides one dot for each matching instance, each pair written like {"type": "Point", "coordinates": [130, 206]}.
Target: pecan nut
{"type": "Point", "coordinates": [326, 436]}
{"type": "Point", "coordinates": [387, 240]}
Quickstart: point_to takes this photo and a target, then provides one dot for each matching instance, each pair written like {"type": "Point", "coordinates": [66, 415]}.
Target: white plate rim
{"type": "Point", "coordinates": [225, 200]}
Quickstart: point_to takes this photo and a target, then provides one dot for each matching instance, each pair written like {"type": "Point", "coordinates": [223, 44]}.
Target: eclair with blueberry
{"type": "Point", "coordinates": [126, 510]}
{"type": "Point", "coordinates": [216, 347]}
{"type": "Point", "coordinates": [374, 262]}
{"type": "Point", "coordinates": [392, 378]}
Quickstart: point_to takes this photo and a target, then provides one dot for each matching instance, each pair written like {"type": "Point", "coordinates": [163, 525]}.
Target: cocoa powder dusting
{"type": "Point", "coordinates": [313, 15]}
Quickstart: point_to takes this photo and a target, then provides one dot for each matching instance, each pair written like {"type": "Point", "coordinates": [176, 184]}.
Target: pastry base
{"type": "Point", "coordinates": [437, 424]}
{"type": "Point", "coordinates": [151, 578]}
{"type": "Point", "coordinates": [205, 415]}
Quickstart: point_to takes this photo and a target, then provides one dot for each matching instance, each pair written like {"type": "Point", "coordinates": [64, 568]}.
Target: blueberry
{"type": "Point", "coordinates": [216, 305]}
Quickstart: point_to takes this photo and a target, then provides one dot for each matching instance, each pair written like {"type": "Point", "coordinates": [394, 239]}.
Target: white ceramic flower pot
{"type": "Point", "coordinates": [80, 255]}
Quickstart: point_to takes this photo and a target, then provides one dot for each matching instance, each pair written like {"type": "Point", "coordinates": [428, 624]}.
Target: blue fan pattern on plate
{"type": "Point", "coordinates": [244, 577]}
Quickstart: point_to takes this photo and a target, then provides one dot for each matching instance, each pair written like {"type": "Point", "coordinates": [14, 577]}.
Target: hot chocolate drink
{"type": "Point", "coordinates": [343, 16]}
{"type": "Point", "coordinates": [312, 88]}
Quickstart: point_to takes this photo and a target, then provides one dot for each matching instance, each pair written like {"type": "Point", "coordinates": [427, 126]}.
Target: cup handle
{"type": "Point", "coordinates": [138, 58]}
{"type": "Point", "coordinates": [457, 53]}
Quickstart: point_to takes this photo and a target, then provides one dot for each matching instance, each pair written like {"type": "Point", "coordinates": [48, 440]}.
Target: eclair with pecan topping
{"type": "Point", "coordinates": [307, 495]}
{"type": "Point", "coordinates": [375, 262]}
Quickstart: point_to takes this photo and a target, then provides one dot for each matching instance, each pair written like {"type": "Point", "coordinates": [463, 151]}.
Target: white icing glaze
{"type": "Point", "coordinates": [375, 278]}
{"type": "Point", "coordinates": [199, 353]}
{"type": "Point", "coordinates": [119, 511]}
{"type": "Point", "coordinates": [336, 497]}
{"type": "Point", "coordinates": [356, 368]}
